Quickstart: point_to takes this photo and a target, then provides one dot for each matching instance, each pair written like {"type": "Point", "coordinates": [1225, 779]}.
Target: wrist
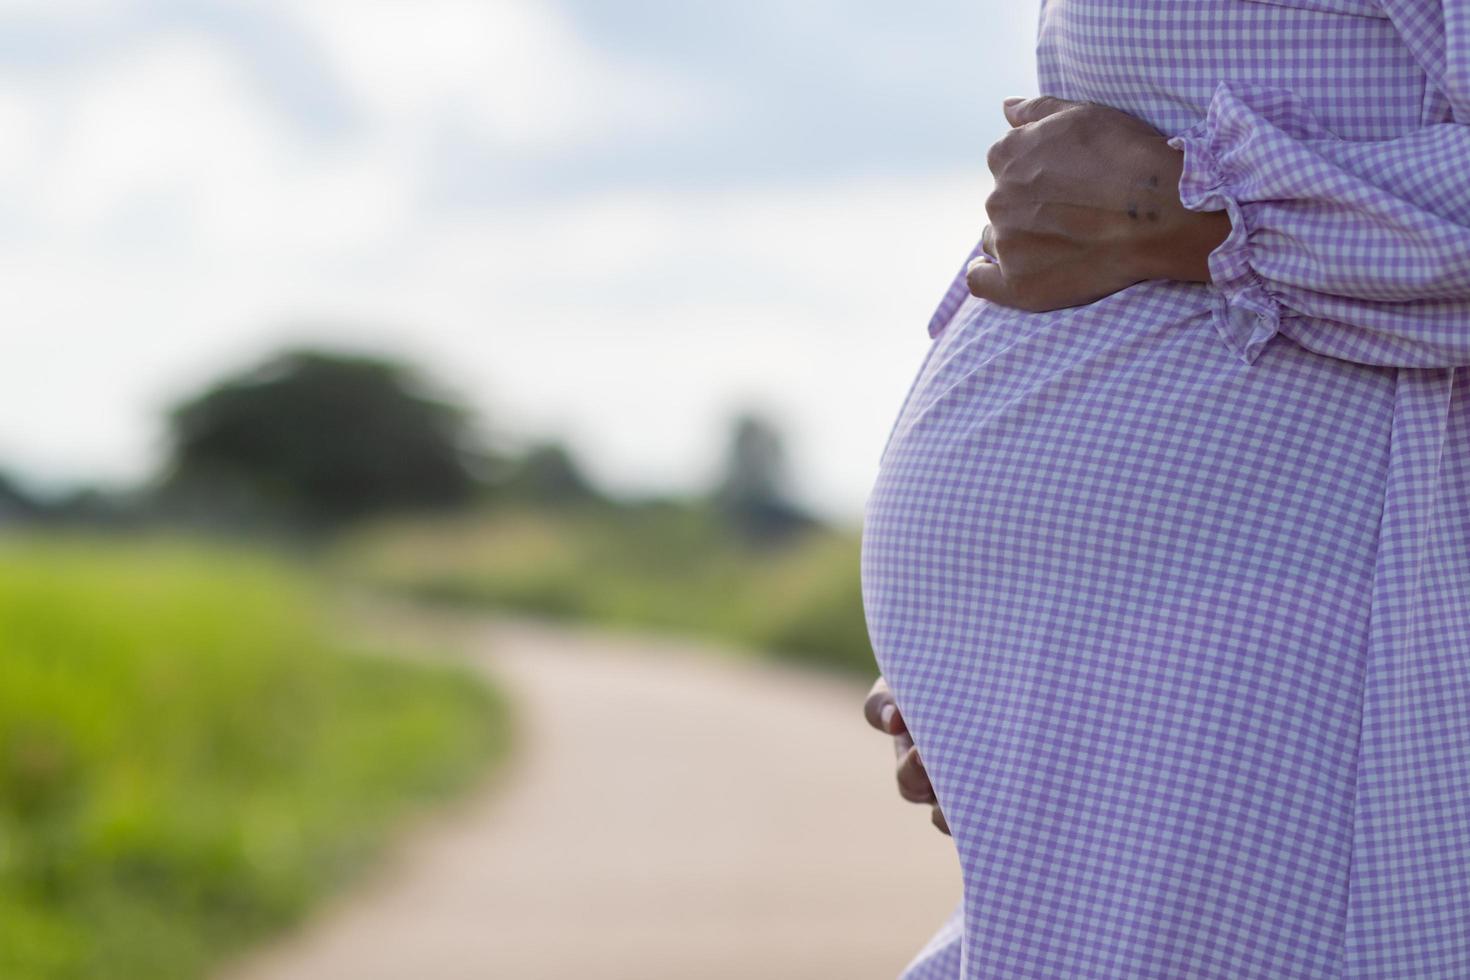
{"type": "Point", "coordinates": [1179, 243]}
{"type": "Point", "coordinates": [1199, 234]}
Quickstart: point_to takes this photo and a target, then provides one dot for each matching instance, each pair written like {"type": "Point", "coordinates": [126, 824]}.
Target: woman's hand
{"type": "Point", "coordinates": [913, 782]}
{"type": "Point", "coordinates": [1086, 202]}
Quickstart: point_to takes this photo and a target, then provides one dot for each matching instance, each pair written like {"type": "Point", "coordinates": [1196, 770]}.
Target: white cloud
{"type": "Point", "coordinates": [21, 134]}
{"type": "Point", "coordinates": [516, 70]}
{"type": "Point", "coordinates": [170, 139]}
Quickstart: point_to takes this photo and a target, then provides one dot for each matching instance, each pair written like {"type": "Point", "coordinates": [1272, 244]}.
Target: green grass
{"type": "Point", "coordinates": [670, 567]}
{"type": "Point", "coordinates": [188, 758]}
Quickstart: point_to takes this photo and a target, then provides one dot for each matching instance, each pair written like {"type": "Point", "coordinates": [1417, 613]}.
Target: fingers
{"type": "Point", "coordinates": [881, 710]}
{"type": "Point", "coordinates": [1023, 111]}
{"type": "Point", "coordinates": [902, 742]}
{"type": "Point", "coordinates": [987, 282]}
{"type": "Point", "coordinates": [913, 780]}
{"type": "Point", "coordinates": [936, 816]}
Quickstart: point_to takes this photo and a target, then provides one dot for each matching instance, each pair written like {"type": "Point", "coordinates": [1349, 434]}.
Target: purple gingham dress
{"type": "Point", "coordinates": [1173, 588]}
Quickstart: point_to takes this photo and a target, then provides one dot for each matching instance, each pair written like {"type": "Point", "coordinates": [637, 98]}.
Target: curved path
{"type": "Point", "coordinates": [671, 813]}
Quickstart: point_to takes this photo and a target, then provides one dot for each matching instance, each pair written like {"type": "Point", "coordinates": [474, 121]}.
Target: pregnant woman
{"type": "Point", "coordinates": [1167, 564]}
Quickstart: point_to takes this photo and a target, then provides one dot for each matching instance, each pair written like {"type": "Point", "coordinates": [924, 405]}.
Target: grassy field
{"type": "Point", "coordinates": [672, 567]}
{"type": "Point", "coordinates": [189, 758]}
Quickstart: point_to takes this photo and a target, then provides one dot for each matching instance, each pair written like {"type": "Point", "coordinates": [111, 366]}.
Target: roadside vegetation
{"type": "Point", "coordinates": [674, 567]}
{"type": "Point", "coordinates": [189, 756]}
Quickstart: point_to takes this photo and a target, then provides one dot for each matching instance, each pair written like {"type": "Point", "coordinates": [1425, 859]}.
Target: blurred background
{"type": "Point", "coordinates": [433, 445]}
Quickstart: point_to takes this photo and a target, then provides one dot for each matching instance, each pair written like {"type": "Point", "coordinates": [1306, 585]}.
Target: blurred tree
{"type": "Point", "coordinates": [93, 506]}
{"type": "Point", "coordinates": [546, 473]}
{"type": "Point", "coordinates": [16, 505]}
{"type": "Point", "coordinates": [752, 493]}
{"type": "Point", "coordinates": [318, 438]}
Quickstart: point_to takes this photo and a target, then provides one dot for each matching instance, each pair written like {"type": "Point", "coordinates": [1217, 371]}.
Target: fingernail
{"type": "Point", "coordinates": [1012, 100]}
{"type": "Point", "coordinates": [886, 715]}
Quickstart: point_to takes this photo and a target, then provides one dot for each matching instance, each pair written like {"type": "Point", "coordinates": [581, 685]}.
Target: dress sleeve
{"type": "Point", "coordinates": [1362, 246]}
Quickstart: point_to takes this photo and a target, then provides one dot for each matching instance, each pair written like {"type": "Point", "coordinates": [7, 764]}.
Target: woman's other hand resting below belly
{"type": "Point", "coordinates": [913, 782]}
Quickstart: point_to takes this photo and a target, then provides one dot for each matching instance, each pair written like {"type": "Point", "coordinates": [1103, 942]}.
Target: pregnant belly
{"type": "Point", "coordinates": [1093, 509]}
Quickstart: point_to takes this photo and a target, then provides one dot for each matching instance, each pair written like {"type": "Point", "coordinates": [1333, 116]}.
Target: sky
{"type": "Point", "coordinates": [615, 223]}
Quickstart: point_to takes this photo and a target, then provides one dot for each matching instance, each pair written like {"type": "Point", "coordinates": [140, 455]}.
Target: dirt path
{"type": "Point", "coordinates": [671, 814]}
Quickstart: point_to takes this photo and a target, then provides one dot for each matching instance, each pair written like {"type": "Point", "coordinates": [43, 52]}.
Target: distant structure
{"type": "Point", "coordinates": [752, 493]}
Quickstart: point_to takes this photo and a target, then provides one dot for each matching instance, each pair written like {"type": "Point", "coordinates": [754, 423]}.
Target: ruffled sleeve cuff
{"type": "Point", "coordinates": [1245, 314]}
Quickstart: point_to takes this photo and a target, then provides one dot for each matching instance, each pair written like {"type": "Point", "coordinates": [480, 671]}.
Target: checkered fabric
{"type": "Point", "coordinates": [1173, 588]}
